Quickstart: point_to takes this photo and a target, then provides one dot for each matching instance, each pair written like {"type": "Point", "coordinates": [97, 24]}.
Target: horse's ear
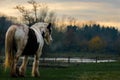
{"type": "Point", "coordinates": [49, 26]}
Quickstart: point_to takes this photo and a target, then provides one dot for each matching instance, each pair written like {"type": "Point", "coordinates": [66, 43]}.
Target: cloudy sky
{"type": "Point", "coordinates": [105, 12]}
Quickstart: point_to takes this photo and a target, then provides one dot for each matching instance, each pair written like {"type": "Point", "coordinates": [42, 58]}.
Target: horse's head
{"type": "Point", "coordinates": [46, 33]}
{"type": "Point", "coordinates": [45, 30]}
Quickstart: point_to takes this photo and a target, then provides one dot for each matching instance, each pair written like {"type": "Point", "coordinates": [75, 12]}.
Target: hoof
{"type": "Point", "coordinates": [21, 75]}
{"type": "Point", "coordinates": [14, 75]}
{"type": "Point", "coordinates": [35, 75]}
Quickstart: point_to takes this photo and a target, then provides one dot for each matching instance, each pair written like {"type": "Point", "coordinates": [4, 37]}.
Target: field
{"type": "Point", "coordinates": [82, 71]}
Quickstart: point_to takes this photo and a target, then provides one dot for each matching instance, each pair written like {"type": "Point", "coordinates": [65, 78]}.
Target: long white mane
{"type": "Point", "coordinates": [40, 25]}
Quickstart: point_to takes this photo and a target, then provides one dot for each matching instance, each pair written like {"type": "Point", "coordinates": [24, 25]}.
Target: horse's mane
{"type": "Point", "coordinates": [40, 24]}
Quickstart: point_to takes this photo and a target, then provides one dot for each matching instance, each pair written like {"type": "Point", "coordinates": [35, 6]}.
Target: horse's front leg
{"type": "Point", "coordinates": [35, 68]}
{"type": "Point", "coordinates": [22, 68]}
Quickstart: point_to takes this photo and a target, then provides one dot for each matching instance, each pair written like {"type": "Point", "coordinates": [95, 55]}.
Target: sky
{"type": "Point", "coordinates": [104, 12]}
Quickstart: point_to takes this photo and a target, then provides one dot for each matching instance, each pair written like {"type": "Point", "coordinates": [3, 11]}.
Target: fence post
{"type": "Point", "coordinates": [96, 59]}
{"type": "Point", "coordinates": [69, 59]}
{"type": "Point", "coordinates": [55, 59]}
{"type": "Point", "coordinates": [82, 57]}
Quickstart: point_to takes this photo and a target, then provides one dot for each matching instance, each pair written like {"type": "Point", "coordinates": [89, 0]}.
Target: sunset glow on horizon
{"type": "Point", "coordinates": [104, 12]}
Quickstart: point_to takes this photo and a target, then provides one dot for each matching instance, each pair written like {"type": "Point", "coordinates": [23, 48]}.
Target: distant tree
{"type": "Point", "coordinates": [84, 45]}
{"type": "Point", "coordinates": [71, 40]}
{"type": "Point", "coordinates": [116, 45]}
{"type": "Point", "coordinates": [96, 44]}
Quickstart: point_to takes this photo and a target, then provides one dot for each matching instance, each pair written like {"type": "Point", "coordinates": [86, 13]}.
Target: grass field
{"type": "Point", "coordinates": [83, 71]}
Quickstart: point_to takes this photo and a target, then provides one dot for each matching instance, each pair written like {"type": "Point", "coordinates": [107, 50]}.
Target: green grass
{"type": "Point", "coordinates": [83, 71]}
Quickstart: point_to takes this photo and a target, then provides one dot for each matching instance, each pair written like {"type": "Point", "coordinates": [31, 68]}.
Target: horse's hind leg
{"type": "Point", "coordinates": [15, 70]}
{"type": "Point", "coordinates": [14, 65]}
{"type": "Point", "coordinates": [22, 68]}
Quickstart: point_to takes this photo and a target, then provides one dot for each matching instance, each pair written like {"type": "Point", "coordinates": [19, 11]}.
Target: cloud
{"type": "Point", "coordinates": [83, 6]}
{"type": "Point", "coordinates": [88, 10]}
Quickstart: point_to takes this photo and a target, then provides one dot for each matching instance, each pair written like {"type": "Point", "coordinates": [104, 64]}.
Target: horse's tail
{"type": "Point", "coordinates": [9, 43]}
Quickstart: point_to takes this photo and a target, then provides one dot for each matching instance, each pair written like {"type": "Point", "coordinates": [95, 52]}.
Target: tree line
{"type": "Point", "coordinates": [88, 38]}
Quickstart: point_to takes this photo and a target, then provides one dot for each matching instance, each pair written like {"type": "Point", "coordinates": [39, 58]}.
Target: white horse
{"type": "Point", "coordinates": [22, 40]}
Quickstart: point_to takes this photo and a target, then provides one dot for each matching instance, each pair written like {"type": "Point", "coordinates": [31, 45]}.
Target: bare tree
{"type": "Point", "coordinates": [26, 14]}
{"type": "Point", "coordinates": [38, 13]}
{"type": "Point", "coordinates": [43, 12]}
{"type": "Point", "coordinates": [35, 8]}
{"type": "Point", "coordinates": [51, 17]}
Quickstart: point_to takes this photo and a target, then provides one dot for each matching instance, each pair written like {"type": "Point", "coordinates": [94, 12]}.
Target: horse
{"type": "Point", "coordinates": [22, 40]}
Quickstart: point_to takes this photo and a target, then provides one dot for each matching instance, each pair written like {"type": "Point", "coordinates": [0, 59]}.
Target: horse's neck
{"type": "Point", "coordinates": [35, 29]}
{"type": "Point", "coordinates": [38, 33]}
